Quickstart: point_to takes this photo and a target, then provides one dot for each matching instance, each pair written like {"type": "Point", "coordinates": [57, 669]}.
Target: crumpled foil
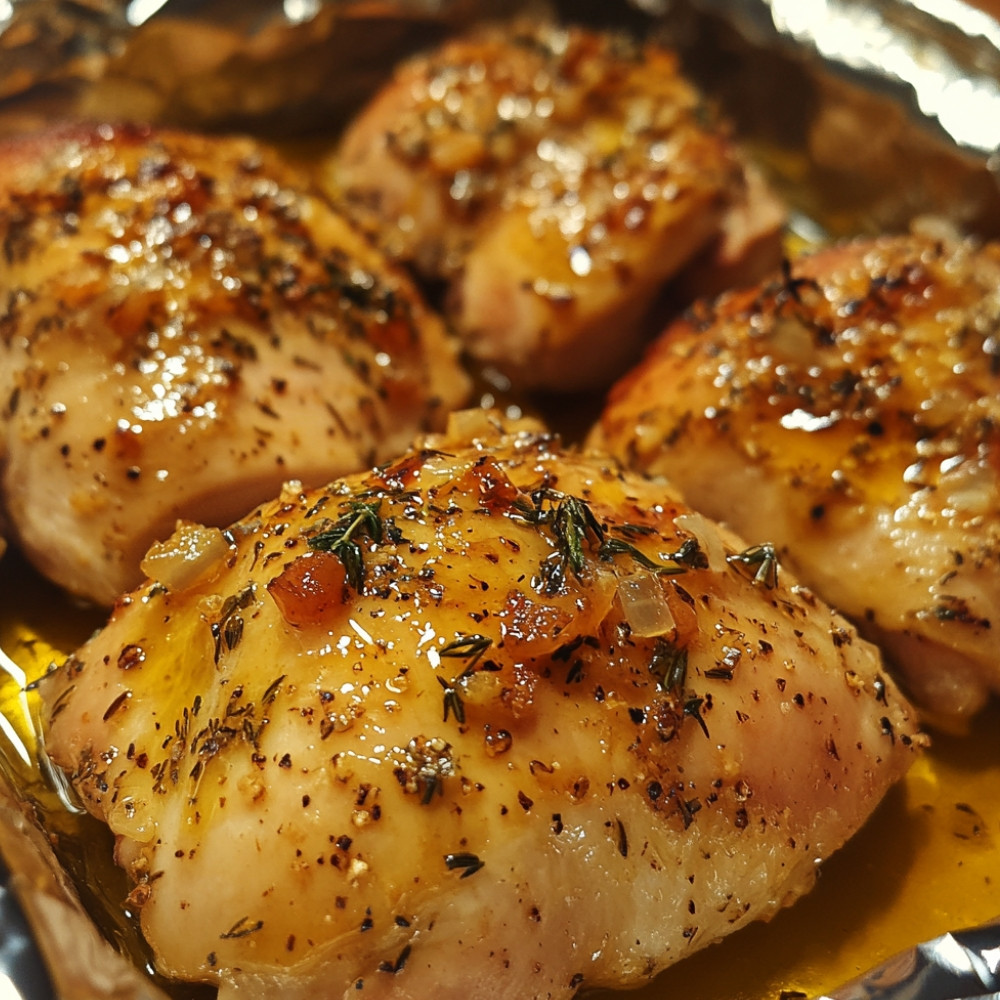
{"type": "Point", "coordinates": [20, 963]}
{"type": "Point", "coordinates": [875, 111]}
{"type": "Point", "coordinates": [962, 965]}
{"type": "Point", "coordinates": [940, 56]}
{"type": "Point", "coordinates": [804, 81]}
{"type": "Point", "coordinates": [49, 946]}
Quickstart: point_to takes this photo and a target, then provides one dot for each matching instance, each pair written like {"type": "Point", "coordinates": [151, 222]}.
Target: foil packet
{"type": "Point", "coordinates": [834, 97]}
{"type": "Point", "coordinates": [20, 963]}
{"type": "Point", "coordinates": [964, 965]}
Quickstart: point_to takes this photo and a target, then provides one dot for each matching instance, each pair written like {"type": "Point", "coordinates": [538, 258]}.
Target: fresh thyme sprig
{"type": "Point", "coordinates": [572, 521]}
{"type": "Point", "coordinates": [453, 704]}
{"type": "Point", "coordinates": [359, 519]}
{"type": "Point", "coordinates": [470, 648]}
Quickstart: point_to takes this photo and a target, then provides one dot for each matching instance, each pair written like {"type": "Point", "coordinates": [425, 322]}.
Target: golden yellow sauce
{"type": "Point", "coordinates": [924, 864]}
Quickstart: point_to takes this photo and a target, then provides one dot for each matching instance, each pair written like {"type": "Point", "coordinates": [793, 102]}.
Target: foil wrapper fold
{"type": "Point", "coordinates": [22, 973]}
{"type": "Point", "coordinates": [50, 947]}
{"type": "Point", "coordinates": [960, 965]}
{"type": "Point", "coordinates": [867, 115]}
{"type": "Point", "coordinates": [940, 57]}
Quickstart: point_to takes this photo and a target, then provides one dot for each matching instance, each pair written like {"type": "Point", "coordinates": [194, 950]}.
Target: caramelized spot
{"type": "Point", "coordinates": [310, 589]}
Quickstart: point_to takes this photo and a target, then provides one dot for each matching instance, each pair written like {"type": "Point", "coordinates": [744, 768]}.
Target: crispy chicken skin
{"type": "Point", "coordinates": [495, 720]}
{"type": "Point", "coordinates": [181, 330]}
{"type": "Point", "coordinates": [849, 412]}
{"type": "Point", "coordinates": [553, 179]}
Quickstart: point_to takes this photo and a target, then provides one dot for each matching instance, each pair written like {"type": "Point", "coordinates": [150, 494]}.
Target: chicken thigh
{"type": "Point", "coordinates": [182, 329]}
{"type": "Point", "coordinates": [553, 179]}
{"type": "Point", "coordinates": [849, 412]}
{"type": "Point", "coordinates": [495, 720]}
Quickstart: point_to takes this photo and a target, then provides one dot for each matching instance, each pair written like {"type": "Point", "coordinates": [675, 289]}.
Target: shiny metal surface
{"type": "Point", "coordinates": [22, 973]}
{"type": "Point", "coordinates": [964, 965]}
{"type": "Point", "coordinates": [868, 114]}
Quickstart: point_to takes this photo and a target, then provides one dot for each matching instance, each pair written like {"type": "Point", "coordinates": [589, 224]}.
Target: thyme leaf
{"type": "Point", "coordinates": [396, 967]}
{"type": "Point", "coordinates": [669, 666]}
{"type": "Point", "coordinates": [228, 630]}
{"type": "Point", "coordinates": [612, 547]}
{"type": "Point", "coordinates": [242, 928]}
{"type": "Point", "coordinates": [571, 522]}
{"type": "Point", "coordinates": [360, 519]}
{"type": "Point", "coordinates": [761, 560]}
{"type": "Point", "coordinates": [453, 704]}
{"type": "Point", "coordinates": [469, 647]}
{"type": "Point", "coordinates": [690, 554]}
{"type": "Point", "coordinates": [692, 708]}
{"type": "Point", "coordinates": [468, 863]}
{"type": "Point", "coordinates": [573, 519]}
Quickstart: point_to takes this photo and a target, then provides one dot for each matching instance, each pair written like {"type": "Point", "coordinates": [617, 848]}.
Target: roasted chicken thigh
{"type": "Point", "coordinates": [495, 720]}
{"type": "Point", "coordinates": [182, 328]}
{"type": "Point", "coordinates": [849, 411]}
{"type": "Point", "coordinates": [553, 179]}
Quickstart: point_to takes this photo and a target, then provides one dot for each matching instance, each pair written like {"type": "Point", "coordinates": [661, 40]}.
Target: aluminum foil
{"type": "Point", "coordinates": [940, 56]}
{"type": "Point", "coordinates": [964, 965]}
{"type": "Point", "coordinates": [838, 97]}
{"type": "Point", "coordinates": [22, 973]}
{"type": "Point", "coordinates": [872, 112]}
{"type": "Point", "coordinates": [49, 946]}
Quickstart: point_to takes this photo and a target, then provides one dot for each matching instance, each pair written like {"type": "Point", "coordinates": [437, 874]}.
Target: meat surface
{"type": "Point", "coordinates": [553, 179]}
{"type": "Point", "coordinates": [183, 328]}
{"type": "Point", "coordinates": [849, 412]}
{"type": "Point", "coordinates": [495, 720]}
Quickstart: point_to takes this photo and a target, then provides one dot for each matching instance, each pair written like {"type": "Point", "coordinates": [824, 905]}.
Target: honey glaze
{"type": "Point", "coordinates": [308, 685]}
{"type": "Point", "coordinates": [922, 865]}
{"type": "Point", "coordinates": [38, 625]}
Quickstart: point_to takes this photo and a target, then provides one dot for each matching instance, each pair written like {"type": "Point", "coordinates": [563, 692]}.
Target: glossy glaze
{"type": "Point", "coordinates": [553, 178]}
{"type": "Point", "coordinates": [849, 412]}
{"type": "Point", "coordinates": [183, 327]}
{"type": "Point", "coordinates": [496, 720]}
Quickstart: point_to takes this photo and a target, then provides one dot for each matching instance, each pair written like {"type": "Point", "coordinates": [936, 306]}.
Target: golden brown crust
{"type": "Point", "coordinates": [848, 409]}
{"type": "Point", "coordinates": [554, 177]}
{"type": "Point", "coordinates": [185, 326]}
{"type": "Point", "coordinates": [491, 721]}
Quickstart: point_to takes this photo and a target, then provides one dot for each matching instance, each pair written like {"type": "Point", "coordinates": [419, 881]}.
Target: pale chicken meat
{"type": "Point", "coordinates": [552, 179]}
{"type": "Point", "coordinates": [494, 720]}
{"type": "Point", "coordinates": [184, 327]}
{"type": "Point", "coordinates": [849, 412]}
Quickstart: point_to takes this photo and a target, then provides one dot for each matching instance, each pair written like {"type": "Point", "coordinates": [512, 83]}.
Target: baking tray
{"type": "Point", "coordinates": [866, 116]}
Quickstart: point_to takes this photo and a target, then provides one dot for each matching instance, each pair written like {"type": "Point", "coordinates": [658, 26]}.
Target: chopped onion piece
{"type": "Point", "coordinates": [645, 605]}
{"type": "Point", "coordinates": [470, 424]}
{"type": "Point", "coordinates": [179, 560]}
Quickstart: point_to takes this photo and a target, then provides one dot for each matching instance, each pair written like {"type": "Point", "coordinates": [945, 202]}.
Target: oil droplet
{"type": "Point", "coordinates": [498, 742]}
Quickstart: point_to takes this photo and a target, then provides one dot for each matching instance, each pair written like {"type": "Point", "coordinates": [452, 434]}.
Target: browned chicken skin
{"type": "Point", "coordinates": [183, 329]}
{"type": "Point", "coordinates": [495, 720]}
{"type": "Point", "coordinates": [553, 178]}
{"type": "Point", "coordinates": [849, 412]}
